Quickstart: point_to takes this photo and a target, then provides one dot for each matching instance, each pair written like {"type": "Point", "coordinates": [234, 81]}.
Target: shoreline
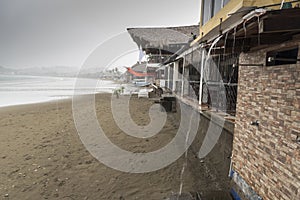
{"type": "Point", "coordinates": [37, 89]}
{"type": "Point", "coordinates": [34, 103]}
{"type": "Point", "coordinates": [53, 100]}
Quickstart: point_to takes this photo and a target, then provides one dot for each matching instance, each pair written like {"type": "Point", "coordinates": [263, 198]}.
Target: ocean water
{"type": "Point", "coordinates": [17, 89]}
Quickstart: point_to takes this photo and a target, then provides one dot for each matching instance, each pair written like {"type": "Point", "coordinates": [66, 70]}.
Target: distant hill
{"type": "Point", "coordinates": [4, 70]}
{"type": "Point", "coordinates": [49, 71]}
{"type": "Point", "coordinates": [62, 71]}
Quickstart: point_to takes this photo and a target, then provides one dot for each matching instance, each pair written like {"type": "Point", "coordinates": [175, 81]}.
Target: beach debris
{"type": "Point", "coordinates": [117, 93]}
{"type": "Point", "coordinates": [21, 174]}
{"type": "Point", "coordinates": [61, 183]}
{"type": "Point", "coordinates": [6, 195]}
{"type": "Point", "coordinates": [14, 171]}
{"type": "Point", "coordinates": [28, 157]}
{"type": "Point", "coordinates": [88, 162]}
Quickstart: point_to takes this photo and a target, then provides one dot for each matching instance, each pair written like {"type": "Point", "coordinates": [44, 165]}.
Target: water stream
{"type": "Point", "coordinates": [185, 161]}
{"type": "Point", "coordinates": [234, 36]}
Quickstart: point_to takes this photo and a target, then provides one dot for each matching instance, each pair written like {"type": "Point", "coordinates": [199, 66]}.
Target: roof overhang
{"type": "Point", "coordinates": [244, 31]}
{"type": "Point", "coordinates": [166, 39]}
{"type": "Point", "coordinates": [257, 28]}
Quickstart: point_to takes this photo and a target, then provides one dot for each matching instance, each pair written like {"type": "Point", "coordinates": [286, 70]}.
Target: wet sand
{"type": "Point", "coordinates": [42, 156]}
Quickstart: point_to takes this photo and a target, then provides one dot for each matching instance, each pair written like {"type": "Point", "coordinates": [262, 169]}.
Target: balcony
{"type": "Point", "coordinates": [218, 19]}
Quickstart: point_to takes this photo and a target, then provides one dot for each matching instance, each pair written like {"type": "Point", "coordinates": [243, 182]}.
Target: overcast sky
{"type": "Point", "coordinates": [64, 32]}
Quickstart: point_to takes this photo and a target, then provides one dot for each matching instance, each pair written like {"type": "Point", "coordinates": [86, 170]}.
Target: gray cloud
{"type": "Point", "coordinates": [63, 32]}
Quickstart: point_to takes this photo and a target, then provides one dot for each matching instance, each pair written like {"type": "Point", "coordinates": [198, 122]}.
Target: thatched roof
{"type": "Point", "coordinates": [187, 30]}
{"type": "Point", "coordinates": [161, 37]}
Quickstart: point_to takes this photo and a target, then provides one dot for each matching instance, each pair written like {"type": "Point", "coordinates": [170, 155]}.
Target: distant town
{"type": "Point", "coordinates": [63, 71]}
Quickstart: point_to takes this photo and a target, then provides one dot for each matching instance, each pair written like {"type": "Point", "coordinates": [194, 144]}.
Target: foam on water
{"type": "Point", "coordinates": [17, 89]}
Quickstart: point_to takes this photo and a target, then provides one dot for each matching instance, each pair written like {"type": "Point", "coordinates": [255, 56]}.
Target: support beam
{"type": "Point", "coordinates": [201, 76]}
{"type": "Point", "coordinates": [175, 75]}
{"type": "Point", "coordinates": [182, 77]}
{"type": "Point", "coordinates": [168, 85]}
{"type": "Point", "coordinates": [276, 24]}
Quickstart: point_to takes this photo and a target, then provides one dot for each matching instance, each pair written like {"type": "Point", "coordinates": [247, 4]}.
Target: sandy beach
{"type": "Point", "coordinates": [42, 156]}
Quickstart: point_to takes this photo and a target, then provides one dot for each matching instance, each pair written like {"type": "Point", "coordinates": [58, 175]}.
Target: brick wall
{"type": "Point", "coordinates": [267, 157]}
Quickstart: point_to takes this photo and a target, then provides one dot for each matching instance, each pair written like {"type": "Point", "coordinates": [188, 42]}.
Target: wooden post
{"type": "Point", "coordinates": [175, 75]}
{"type": "Point", "coordinates": [201, 76]}
{"type": "Point", "coordinates": [182, 77]}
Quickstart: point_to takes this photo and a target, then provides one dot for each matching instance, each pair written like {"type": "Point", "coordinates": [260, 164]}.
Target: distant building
{"type": "Point", "coordinates": [142, 73]}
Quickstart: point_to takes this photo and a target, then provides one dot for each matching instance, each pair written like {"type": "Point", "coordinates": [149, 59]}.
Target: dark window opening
{"type": "Point", "coordinates": [194, 75]}
{"type": "Point", "coordinates": [284, 57]}
{"type": "Point", "coordinates": [180, 67]}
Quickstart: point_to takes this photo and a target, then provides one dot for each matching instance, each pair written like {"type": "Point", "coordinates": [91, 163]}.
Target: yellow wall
{"type": "Point", "coordinates": [231, 7]}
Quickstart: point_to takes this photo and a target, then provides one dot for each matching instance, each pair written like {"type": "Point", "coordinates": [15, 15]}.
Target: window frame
{"type": "Point", "coordinates": [211, 9]}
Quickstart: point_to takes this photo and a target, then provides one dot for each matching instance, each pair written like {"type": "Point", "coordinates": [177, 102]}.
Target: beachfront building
{"type": "Point", "coordinates": [254, 45]}
{"type": "Point", "coordinates": [208, 71]}
{"type": "Point", "coordinates": [141, 73]}
{"type": "Point", "coordinates": [159, 43]}
{"type": "Point", "coordinates": [245, 63]}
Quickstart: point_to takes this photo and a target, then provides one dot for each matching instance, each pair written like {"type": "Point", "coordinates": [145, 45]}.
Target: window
{"type": "Point", "coordinates": [283, 57]}
{"type": "Point", "coordinates": [218, 4]}
{"type": "Point", "coordinates": [180, 68]}
{"type": "Point", "coordinates": [211, 8]}
{"type": "Point", "coordinates": [225, 2]}
{"type": "Point", "coordinates": [206, 12]}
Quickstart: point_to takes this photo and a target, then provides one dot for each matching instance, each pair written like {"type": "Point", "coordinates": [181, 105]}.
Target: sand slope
{"type": "Point", "coordinates": [42, 157]}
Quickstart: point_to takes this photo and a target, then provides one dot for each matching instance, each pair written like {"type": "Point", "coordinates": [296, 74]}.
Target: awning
{"type": "Point", "coordinates": [138, 74]}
